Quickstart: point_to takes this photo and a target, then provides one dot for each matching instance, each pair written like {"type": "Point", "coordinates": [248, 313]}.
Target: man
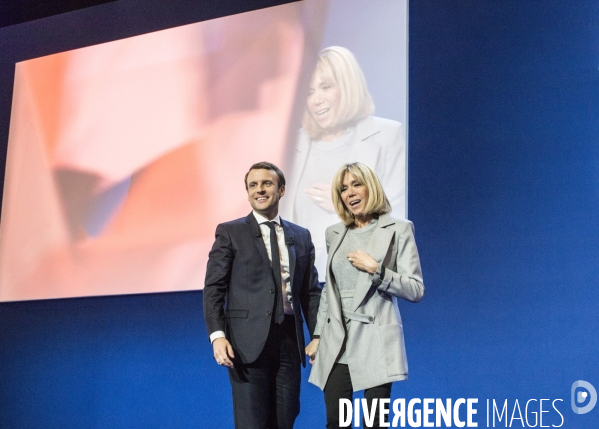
{"type": "Point", "coordinates": [259, 280]}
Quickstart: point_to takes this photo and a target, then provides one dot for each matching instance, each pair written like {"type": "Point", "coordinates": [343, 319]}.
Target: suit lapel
{"type": "Point", "coordinates": [378, 247]}
{"type": "Point", "coordinates": [290, 243]}
{"type": "Point", "coordinates": [254, 230]}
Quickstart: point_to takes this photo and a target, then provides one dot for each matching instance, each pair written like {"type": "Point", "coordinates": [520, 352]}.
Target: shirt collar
{"type": "Point", "coordinates": [261, 219]}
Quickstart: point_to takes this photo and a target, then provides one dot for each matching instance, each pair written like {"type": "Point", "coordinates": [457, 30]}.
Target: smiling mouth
{"type": "Point", "coordinates": [261, 199]}
{"type": "Point", "coordinates": [322, 111]}
{"type": "Point", "coordinates": [354, 202]}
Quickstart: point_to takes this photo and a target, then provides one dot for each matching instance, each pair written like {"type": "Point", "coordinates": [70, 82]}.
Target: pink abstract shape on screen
{"type": "Point", "coordinates": [178, 116]}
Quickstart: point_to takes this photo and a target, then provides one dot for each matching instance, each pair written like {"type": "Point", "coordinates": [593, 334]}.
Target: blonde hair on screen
{"type": "Point", "coordinates": [377, 203]}
{"type": "Point", "coordinates": [338, 66]}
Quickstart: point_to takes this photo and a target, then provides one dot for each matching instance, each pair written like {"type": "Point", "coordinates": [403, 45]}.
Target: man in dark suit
{"type": "Point", "coordinates": [259, 280]}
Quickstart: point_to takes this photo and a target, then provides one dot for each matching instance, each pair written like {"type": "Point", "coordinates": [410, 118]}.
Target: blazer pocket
{"type": "Point", "coordinates": [242, 314]}
{"type": "Point", "coordinates": [392, 341]}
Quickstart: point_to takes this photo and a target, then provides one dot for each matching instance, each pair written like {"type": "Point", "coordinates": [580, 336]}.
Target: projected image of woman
{"type": "Point", "coordinates": [338, 127]}
{"type": "Point", "coordinates": [372, 261]}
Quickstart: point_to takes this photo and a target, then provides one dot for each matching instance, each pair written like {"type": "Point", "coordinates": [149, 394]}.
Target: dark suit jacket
{"type": "Point", "coordinates": [239, 287]}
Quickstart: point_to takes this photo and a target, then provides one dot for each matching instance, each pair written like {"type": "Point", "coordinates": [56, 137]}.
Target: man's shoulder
{"type": "Point", "coordinates": [233, 224]}
{"type": "Point", "coordinates": [241, 220]}
{"type": "Point", "coordinates": [295, 227]}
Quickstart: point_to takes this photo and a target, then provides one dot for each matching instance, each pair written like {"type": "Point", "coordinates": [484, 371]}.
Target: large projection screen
{"type": "Point", "coordinates": [124, 156]}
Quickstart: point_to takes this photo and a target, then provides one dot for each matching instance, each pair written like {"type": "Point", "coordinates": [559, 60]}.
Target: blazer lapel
{"type": "Point", "coordinates": [333, 298]}
{"type": "Point", "coordinates": [254, 230]}
{"type": "Point", "coordinates": [300, 156]}
{"type": "Point", "coordinates": [367, 149]}
{"type": "Point", "coordinates": [378, 247]}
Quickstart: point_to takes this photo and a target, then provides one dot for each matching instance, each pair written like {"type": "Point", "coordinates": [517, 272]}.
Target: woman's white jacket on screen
{"type": "Point", "coordinates": [377, 142]}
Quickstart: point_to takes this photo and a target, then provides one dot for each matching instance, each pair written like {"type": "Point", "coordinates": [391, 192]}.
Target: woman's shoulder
{"type": "Point", "coordinates": [376, 126]}
{"type": "Point", "coordinates": [302, 138]}
{"type": "Point", "coordinates": [398, 224]}
{"type": "Point", "coordinates": [335, 228]}
{"type": "Point", "coordinates": [377, 121]}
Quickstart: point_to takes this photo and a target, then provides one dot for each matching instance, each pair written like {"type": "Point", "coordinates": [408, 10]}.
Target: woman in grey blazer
{"type": "Point", "coordinates": [372, 261]}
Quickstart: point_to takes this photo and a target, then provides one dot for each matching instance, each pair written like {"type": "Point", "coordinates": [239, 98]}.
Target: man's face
{"type": "Point", "coordinates": [264, 192]}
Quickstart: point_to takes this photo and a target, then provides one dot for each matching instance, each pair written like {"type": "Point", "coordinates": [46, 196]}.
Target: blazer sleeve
{"type": "Point", "coordinates": [218, 274]}
{"type": "Point", "coordinates": [310, 290]}
{"type": "Point", "coordinates": [406, 281]}
{"type": "Point", "coordinates": [392, 168]}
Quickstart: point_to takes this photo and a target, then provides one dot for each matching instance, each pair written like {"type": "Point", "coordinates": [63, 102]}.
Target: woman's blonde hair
{"type": "Point", "coordinates": [377, 203]}
{"type": "Point", "coordinates": [338, 66]}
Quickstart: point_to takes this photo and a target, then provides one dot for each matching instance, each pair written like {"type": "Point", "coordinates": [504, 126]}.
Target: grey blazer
{"type": "Point", "coordinates": [375, 347]}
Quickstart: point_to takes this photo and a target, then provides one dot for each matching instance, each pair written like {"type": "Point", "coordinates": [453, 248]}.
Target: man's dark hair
{"type": "Point", "coordinates": [265, 166]}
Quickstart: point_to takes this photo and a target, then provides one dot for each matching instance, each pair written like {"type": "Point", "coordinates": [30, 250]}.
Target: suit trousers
{"type": "Point", "coordinates": [266, 392]}
{"type": "Point", "coordinates": [339, 386]}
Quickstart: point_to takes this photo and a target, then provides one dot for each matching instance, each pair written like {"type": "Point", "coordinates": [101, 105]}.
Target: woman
{"type": "Point", "coordinates": [338, 127]}
{"type": "Point", "coordinates": [372, 260]}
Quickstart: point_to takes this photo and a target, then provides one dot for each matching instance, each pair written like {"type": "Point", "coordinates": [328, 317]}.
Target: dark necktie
{"type": "Point", "coordinates": [276, 273]}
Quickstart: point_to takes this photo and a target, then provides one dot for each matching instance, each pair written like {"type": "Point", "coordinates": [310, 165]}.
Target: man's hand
{"type": "Point", "coordinates": [223, 352]}
{"type": "Point", "coordinates": [312, 348]}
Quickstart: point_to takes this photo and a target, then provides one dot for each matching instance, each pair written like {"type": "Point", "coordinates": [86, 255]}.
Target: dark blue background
{"type": "Point", "coordinates": [503, 190]}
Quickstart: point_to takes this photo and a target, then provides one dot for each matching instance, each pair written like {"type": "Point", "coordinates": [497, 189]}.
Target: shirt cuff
{"type": "Point", "coordinates": [215, 335]}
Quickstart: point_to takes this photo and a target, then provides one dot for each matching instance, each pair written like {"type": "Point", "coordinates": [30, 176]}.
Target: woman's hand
{"type": "Point", "coordinates": [312, 348]}
{"type": "Point", "coordinates": [320, 193]}
{"type": "Point", "coordinates": [363, 261]}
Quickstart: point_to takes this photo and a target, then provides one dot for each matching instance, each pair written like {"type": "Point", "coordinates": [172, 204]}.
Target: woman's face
{"type": "Point", "coordinates": [323, 102]}
{"type": "Point", "coordinates": [354, 194]}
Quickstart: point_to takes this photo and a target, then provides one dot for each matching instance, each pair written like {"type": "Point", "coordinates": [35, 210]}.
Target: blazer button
{"type": "Point", "coordinates": [329, 320]}
{"type": "Point", "coordinates": [269, 313]}
{"type": "Point", "coordinates": [371, 319]}
{"type": "Point", "coordinates": [272, 291]}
